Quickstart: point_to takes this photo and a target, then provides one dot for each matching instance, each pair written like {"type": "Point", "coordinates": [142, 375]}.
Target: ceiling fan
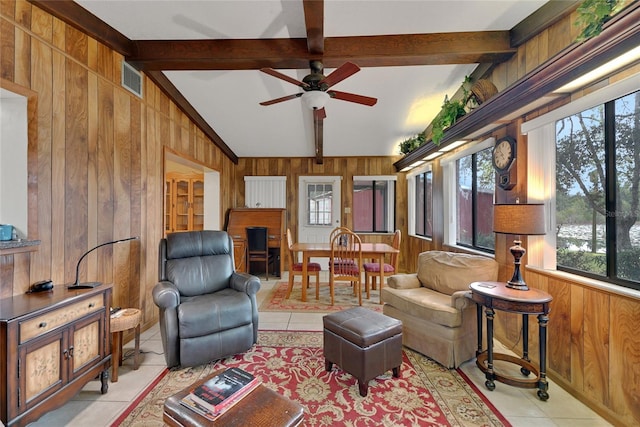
{"type": "Point", "coordinates": [317, 87]}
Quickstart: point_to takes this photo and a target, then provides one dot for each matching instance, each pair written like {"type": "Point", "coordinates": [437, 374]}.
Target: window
{"type": "Point", "coordinates": [468, 190]}
{"type": "Point", "coordinates": [319, 198]}
{"type": "Point", "coordinates": [374, 200]}
{"type": "Point", "coordinates": [598, 191]}
{"type": "Point", "coordinates": [475, 184]}
{"type": "Point", "coordinates": [424, 204]}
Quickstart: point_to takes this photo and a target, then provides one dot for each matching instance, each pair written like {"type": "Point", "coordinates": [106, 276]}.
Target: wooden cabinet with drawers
{"type": "Point", "coordinates": [53, 343]}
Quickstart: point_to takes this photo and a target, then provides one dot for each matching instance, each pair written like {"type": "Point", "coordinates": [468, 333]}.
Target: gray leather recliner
{"type": "Point", "coordinates": [207, 310]}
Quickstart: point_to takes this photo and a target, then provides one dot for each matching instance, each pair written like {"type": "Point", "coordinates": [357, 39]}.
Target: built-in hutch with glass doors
{"type": "Point", "coordinates": [53, 343]}
{"type": "Point", "coordinates": [184, 202]}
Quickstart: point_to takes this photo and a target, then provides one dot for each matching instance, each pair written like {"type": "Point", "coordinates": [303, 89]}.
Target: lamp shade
{"type": "Point", "coordinates": [519, 219]}
{"type": "Point", "coordinates": [315, 99]}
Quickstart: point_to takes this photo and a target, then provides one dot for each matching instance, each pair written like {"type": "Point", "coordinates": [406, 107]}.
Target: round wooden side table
{"type": "Point", "coordinates": [123, 320]}
{"type": "Point", "coordinates": [497, 296]}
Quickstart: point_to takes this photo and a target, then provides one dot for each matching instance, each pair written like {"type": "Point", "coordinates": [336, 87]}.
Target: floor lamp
{"type": "Point", "coordinates": [518, 219]}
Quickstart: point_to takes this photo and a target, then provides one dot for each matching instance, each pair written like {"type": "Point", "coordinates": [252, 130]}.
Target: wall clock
{"type": "Point", "coordinates": [503, 157]}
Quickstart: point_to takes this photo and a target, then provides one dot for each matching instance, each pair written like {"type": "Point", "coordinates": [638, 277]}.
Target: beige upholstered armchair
{"type": "Point", "coordinates": [438, 319]}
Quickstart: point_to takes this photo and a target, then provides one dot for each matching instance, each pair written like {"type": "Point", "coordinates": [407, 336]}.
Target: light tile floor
{"type": "Point", "coordinates": [90, 408]}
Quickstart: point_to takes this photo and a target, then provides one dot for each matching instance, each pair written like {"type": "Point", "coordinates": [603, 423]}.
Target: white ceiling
{"type": "Point", "coordinates": [408, 97]}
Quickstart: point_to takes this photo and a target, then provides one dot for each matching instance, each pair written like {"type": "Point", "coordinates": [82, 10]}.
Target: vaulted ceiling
{"type": "Point", "coordinates": [208, 56]}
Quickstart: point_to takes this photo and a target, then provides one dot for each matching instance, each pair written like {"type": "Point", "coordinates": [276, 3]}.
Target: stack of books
{"type": "Point", "coordinates": [219, 393]}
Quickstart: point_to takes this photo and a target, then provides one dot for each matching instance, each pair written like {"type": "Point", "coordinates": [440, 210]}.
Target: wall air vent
{"type": "Point", "coordinates": [131, 79]}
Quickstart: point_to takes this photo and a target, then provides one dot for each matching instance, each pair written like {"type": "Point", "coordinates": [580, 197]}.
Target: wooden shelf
{"type": "Point", "coordinates": [535, 89]}
{"type": "Point", "coordinates": [11, 247]}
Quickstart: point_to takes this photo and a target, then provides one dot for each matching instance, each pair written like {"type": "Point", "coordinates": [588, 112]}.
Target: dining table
{"type": "Point", "coordinates": [373, 251]}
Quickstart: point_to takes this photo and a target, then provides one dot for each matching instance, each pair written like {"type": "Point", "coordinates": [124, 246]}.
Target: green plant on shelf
{"type": "Point", "coordinates": [410, 144]}
{"type": "Point", "coordinates": [451, 111]}
{"type": "Point", "coordinates": [593, 14]}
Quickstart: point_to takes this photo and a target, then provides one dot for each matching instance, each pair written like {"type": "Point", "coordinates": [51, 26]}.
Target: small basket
{"type": "Point", "coordinates": [482, 90]}
{"type": "Point", "coordinates": [125, 319]}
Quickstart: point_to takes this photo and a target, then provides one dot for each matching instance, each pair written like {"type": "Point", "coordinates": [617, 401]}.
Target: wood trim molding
{"type": "Point", "coordinates": [174, 94]}
{"type": "Point", "coordinates": [32, 153]}
{"type": "Point", "coordinates": [620, 35]}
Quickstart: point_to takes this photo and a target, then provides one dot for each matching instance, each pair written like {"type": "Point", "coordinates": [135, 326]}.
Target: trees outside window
{"type": "Point", "coordinates": [598, 191]}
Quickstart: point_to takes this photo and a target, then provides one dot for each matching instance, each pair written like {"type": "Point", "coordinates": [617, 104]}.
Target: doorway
{"type": "Point", "coordinates": [319, 208]}
{"type": "Point", "coordinates": [174, 163]}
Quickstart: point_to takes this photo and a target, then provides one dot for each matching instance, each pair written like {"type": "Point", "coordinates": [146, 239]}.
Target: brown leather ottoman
{"type": "Point", "coordinates": [363, 343]}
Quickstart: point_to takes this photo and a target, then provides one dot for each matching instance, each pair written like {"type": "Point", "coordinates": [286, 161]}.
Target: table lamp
{"type": "Point", "coordinates": [89, 285]}
{"type": "Point", "coordinates": [518, 219]}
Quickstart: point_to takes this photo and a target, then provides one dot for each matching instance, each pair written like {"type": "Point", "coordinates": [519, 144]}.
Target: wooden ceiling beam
{"type": "Point", "coordinates": [314, 22]}
{"type": "Point", "coordinates": [318, 130]}
{"type": "Point", "coordinates": [366, 51]}
{"type": "Point", "coordinates": [78, 17]}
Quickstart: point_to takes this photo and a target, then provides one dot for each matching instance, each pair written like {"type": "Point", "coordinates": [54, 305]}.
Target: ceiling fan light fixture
{"type": "Point", "coordinates": [315, 99]}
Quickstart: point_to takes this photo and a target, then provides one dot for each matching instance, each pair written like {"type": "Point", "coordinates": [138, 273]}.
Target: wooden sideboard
{"type": "Point", "coordinates": [273, 218]}
{"type": "Point", "coordinates": [53, 343]}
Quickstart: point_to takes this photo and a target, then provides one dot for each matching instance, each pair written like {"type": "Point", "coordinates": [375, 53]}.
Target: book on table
{"type": "Point", "coordinates": [220, 392]}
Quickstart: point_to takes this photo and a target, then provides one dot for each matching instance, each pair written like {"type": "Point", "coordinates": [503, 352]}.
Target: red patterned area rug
{"type": "Point", "coordinates": [292, 364]}
{"type": "Point", "coordinates": [343, 298]}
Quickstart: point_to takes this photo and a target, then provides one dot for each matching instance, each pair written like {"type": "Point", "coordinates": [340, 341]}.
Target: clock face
{"type": "Point", "coordinates": [503, 154]}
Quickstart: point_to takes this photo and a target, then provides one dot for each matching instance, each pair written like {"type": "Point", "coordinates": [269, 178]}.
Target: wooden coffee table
{"type": "Point", "coordinates": [261, 407]}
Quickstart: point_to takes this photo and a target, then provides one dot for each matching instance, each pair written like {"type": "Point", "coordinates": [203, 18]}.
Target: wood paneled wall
{"type": "Point", "coordinates": [99, 175]}
{"type": "Point", "coordinates": [346, 167]}
{"type": "Point", "coordinates": [593, 349]}
{"type": "Point", "coordinates": [99, 151]}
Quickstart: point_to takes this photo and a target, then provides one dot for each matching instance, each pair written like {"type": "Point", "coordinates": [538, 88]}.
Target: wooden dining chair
{"type": "Point", "coordinates": [345, 262]}
{"type": "Point", "coordinates": [295, 268]}
{"type": "Point", "coordinates": [333, 234]}
{"type": "Point", "coordinates": [372, 269]}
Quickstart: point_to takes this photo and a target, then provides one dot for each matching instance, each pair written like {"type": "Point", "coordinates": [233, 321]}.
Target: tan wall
{"type": "Point", "coordinates": [99, 159]}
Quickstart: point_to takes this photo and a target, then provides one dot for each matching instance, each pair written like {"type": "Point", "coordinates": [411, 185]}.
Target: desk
{"type": "Point", "coordinates": [272, 218]}
{"type": "Point", "coordinates": [375, 251]}
{"type": "Point", "coordinates": [496, 295]}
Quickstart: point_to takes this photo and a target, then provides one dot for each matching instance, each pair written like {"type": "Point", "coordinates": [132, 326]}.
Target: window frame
{"type": "Point", "coordinates": [450, 195]}
{"type": "Point", "coordinates": [541, 171]}
{"type": "Point", "coordinates": [412, 200]}
{"type": "Point", "coordinates": [390, 223]}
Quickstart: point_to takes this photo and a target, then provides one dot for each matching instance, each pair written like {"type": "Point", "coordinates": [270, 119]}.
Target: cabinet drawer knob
{"type": "Point", "coordinates": [42, 325]}
{"type": "Point", "coordinates": [91, 305]}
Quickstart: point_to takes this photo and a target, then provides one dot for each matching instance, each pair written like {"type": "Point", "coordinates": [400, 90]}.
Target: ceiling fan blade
{"type": "Point", "coordinates": [284, 77]}
{"type": "Point", "coordinates": [284, 98]}
{"type": "Point", "coordinates": [352, 97]}
{"type": "Point", "coordinates": [320, 113]}
{"type": "Point", "coordinates": [339, 74]}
